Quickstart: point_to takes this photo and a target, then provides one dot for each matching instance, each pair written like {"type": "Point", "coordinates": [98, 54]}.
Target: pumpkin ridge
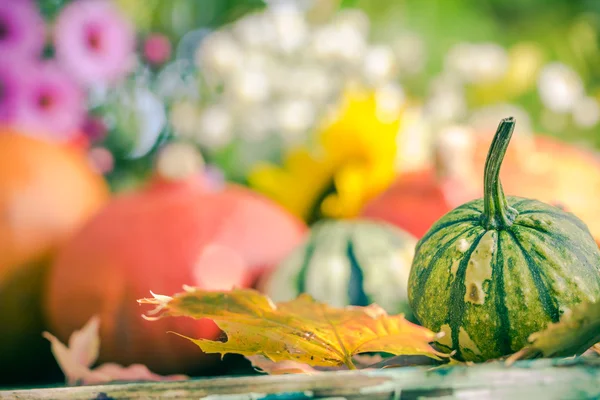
{"type": "Point", "coordinates": [503, 332]}
{"type": "Point", "coordinates": [561, 238]}
{"type": "Point", "coordinates": [571, 218]}
{"type": "Point", "coordinates": [579, 255]}
{"type": "Point", "coordinates": [558, 237]}
{"type": "Point", "coordinates": [543, 292]}
{"type": "Point", "coordinates": [436, 228]}
{"type": "Point", "coordinates": [356, 292]}
{"type": "Point", "coordinates": [345, 262]}
{"type": "Point", "coordinates": [310, 249]}
{"type": "Point", "coordinates": [539, 229]}
{"type": "Point", "coordinates": [457, 294]}
{"type": "Point", "coordinates": [469, 206]}
{"type": "Point", "coordinates": [426, 272]}
{"type": "Point", "coordinates": [520, 202]}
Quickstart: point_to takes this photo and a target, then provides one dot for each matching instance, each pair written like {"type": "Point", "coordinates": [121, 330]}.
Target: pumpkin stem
{"type": "Point", "coordinates": [497, 214]}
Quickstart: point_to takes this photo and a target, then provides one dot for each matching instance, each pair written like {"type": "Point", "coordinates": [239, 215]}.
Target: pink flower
{"type": "Point", "coordinates": [51, 103]}
{"type": "Point", "coordinates": [11, 87]}
{"type": "Point", "coordinates": [22, 30]}
{"type": "Point", "coordinates": [157, 49]}
{"type": "Point", "coordinates": [94, 42]}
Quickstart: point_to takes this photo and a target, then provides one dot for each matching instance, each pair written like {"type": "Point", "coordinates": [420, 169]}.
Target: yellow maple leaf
{"type": "Point", "coordinates": [301, 330]}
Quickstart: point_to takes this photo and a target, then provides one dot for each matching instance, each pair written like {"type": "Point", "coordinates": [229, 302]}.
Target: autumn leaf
{"type": "Point", "coordinates": [301, 330]}
{"type": "Point", "coordinates": [575, 333]}
{"type": "Point", "coordinates": [76, 360]}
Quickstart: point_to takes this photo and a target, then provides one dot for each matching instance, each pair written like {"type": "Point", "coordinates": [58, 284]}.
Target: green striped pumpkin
{"type": "Point", "coordinates": [495, 270]}
{"type": "Point", "coordinates": [348, 262]}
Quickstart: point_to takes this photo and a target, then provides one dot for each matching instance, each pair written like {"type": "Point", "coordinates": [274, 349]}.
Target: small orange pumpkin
{"type": "Point", "coordinates": [47, 191]}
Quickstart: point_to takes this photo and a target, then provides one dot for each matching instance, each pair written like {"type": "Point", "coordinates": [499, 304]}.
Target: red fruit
{"type": "Point", "coordinates": [415, 201]}
{"type": "Point", "coordinates": [158, 239]}
{"type": "Point", "coordinates": [47, 191]}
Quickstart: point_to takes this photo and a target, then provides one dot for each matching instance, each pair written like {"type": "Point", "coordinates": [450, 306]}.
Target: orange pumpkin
{"type": "Point", "coordinates": [47, 191]}
{"type": "Point", "coordinates": [158, 239]}
{"type": "Point", "coordinates": [414, 202]}
{"type": "Point", "coordinates": [547, 169]}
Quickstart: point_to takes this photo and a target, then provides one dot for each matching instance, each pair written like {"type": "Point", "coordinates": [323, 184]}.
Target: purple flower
{"type": "Point", "coordinates": [94, 128]}
{"type": "Point", "coordinates": [11, 87]}
{"type": "Point", "coordinates": [51, 104]}
{"type": "Point", "coordinates": [94, 42]}
{"type": "Point", "coordinates": [22, 29]}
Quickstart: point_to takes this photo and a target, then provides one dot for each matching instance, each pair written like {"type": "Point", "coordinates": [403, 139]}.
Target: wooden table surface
{"type": "Point", "coordinates": [576, 378]}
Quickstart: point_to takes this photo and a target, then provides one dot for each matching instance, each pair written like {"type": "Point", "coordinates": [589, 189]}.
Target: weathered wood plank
{"type": "Point", "coordinates": [547, 378]}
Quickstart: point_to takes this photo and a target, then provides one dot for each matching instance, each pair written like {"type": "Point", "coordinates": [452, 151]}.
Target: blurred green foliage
{"type": "Point", "coordinates": [564, 30]}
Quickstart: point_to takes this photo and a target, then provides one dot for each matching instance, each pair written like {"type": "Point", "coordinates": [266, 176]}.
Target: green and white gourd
{"type": "Point", "coordinates": [495, 270]}
{"type": "Point", "coordinates": [348, 262]}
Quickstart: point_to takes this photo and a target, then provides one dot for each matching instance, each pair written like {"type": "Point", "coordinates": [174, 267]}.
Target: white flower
{"type": "Point", "coordinates": [447, 101]}
{"type": "Point", "coordinates": [295, 116]}
{"type": "Point", "coordinates": [454, 151]}
{"type": "Point", "coordinates": [179, 160]}
{"type": "Point", "coordinates": [256, 123]}
{"type": "Point", "coordinates": [184, 118]}
{"type": "Point", "coordinates": [309, 81]}
{"type": "Point", "coordinates": [215, 127]}
{"type": "Point", "coordinates": [355, 18]}
{"type": "Point", "coordinates": [477, 63]}
{"type": "Point", "coordinates": [379, 64]}
{"type": "Point", "coordinates": [586, 112]}
{"type": "Point", "coordinates": [290, 28]}
{"type": "Point", "coordinates": [559, 87]}
{"type": "Point", "coordinates": [447, 107]}
{"type": "Point", "coordinates": [250, 86]}
{"type": "Point", "coordinates": [255, 30]}
{"type": "Point", "coordinates": [389, 99]}
{"type": "Point", "coordinates": [414, 141]}
{"type": "Point", "coordinates": [257, 60]}
{"type": "Point", "coordinates": [341, 41]}
{"type": "Point", "coordinates": [219, 54]}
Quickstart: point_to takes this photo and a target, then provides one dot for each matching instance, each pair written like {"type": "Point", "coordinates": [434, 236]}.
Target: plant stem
{"type": "Point", "coordinates": [349, 363]}
{"type": "Point", "coordinates": [497, 214]}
